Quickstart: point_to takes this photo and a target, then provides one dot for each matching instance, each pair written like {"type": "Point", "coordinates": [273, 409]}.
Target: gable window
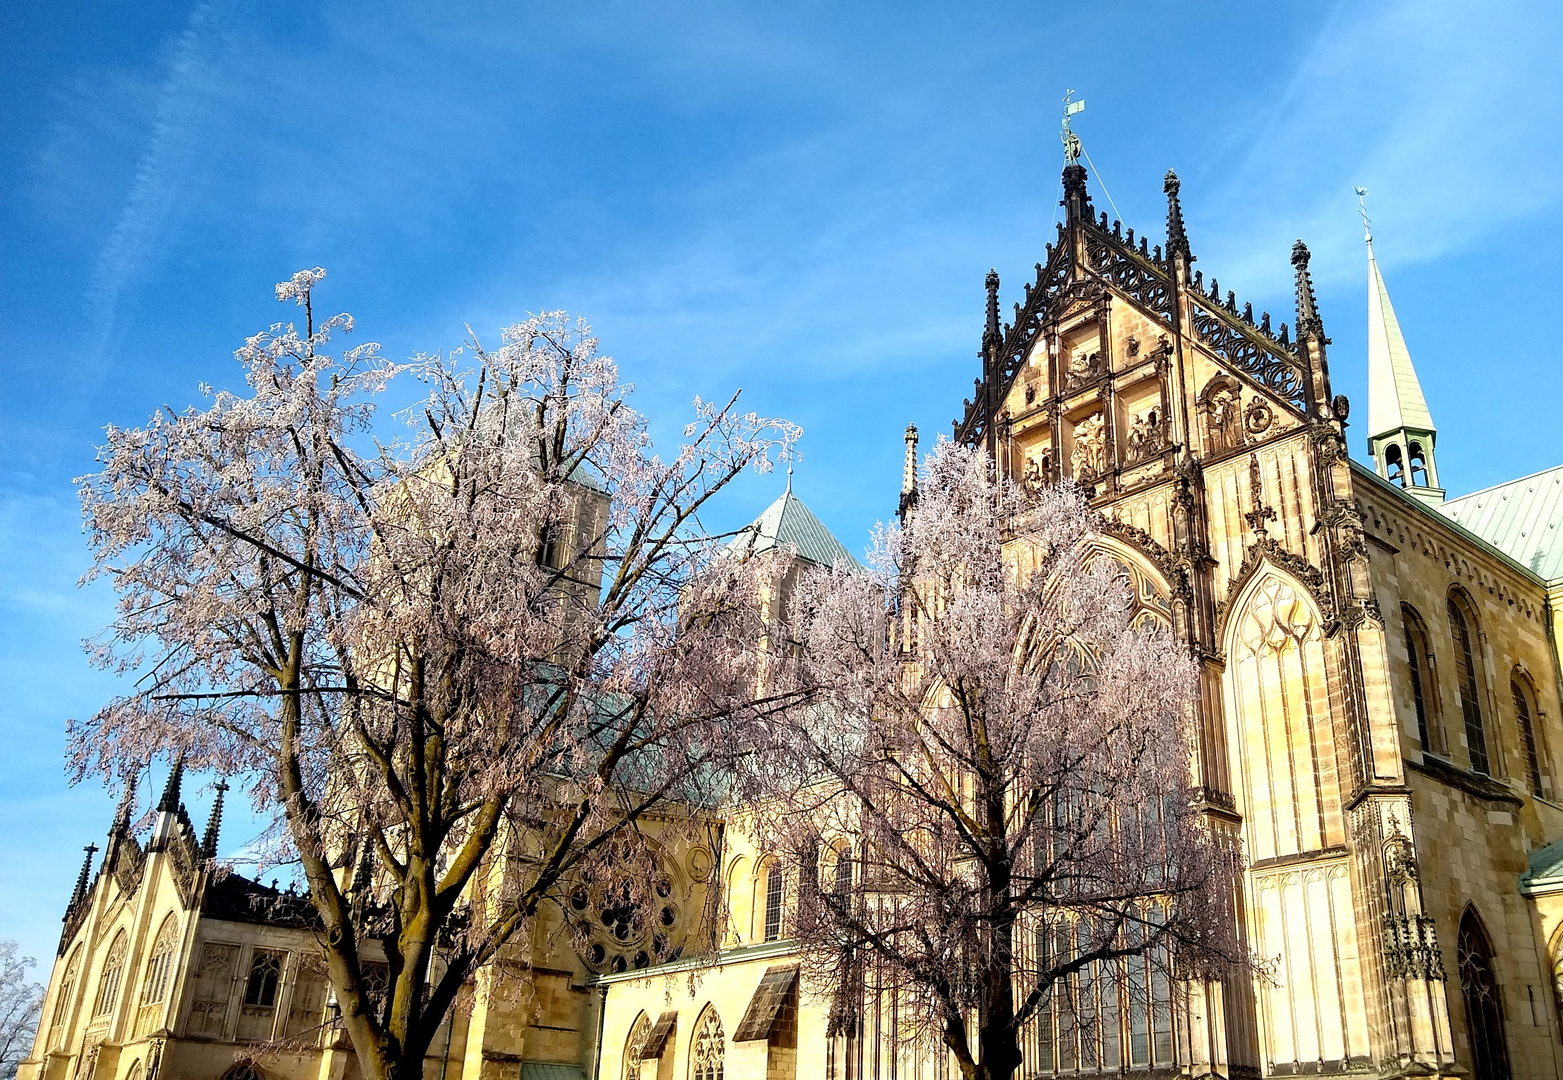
{"type": "Point", "coordinates": [1469, 687]}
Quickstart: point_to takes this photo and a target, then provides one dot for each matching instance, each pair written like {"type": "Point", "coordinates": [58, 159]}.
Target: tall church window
{"type": "Point", "coordinates": [1395, 465]}
{"type": "Point", "coordinates": [774, 889]}
{"type": "Point", "coordinates": [113, 972]}
{"type": "Point", "coordinates": [154, 987]}
{"type": "Point", "coordinates": [1525, 717]}
{"type": "Point", "coordinates": [634, 1043]}
{"type": "Point", "coordinates": [1423, 692]}
{"type": "Point", "coordinates": [843, 883]}
{"type": "Point", "coordinates": [1469, 687]}
{"type": "Point", "coordinates": [62, 1001]}
{"type": "Point", "coordinates": [1483, 1001]}
{"type": "Point", "coordinates": [708, 1048]}
{"type": "Point", "coordinates": [1418, 466]}
{"type": "Point", "coordinates": [258, 1011]}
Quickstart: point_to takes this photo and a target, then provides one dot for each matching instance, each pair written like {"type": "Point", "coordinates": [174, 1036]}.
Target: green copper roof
{"type": "Point", "coordinates": [1394, 395]}
{"type": "Point", "coordinates": [788, 521]}
{"type": "Point", "coordinates": [1522, 518]}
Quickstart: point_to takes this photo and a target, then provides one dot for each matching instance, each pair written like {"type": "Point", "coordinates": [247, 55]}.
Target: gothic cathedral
{"type": "Point", "coordinates": [1378, 729]}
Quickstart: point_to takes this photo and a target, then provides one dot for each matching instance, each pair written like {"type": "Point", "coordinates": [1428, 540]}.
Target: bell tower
{"type": "Point", "coordinates": [1401, 433]}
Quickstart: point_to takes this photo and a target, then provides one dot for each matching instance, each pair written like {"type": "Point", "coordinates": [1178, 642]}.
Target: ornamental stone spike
{"type": "Point", "coordinates": [214, 823]}
{"type": "Point", "coordinates": [1177, 236]}
{"type": "Point", "coordinates": [169, 803]}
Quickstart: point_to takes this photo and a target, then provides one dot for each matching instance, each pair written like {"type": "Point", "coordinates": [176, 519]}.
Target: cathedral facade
{"type": "Point", "coordinates": [1378, 729]}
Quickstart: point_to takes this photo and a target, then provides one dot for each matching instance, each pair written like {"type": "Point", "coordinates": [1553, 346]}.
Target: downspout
{"type": "Point", "coordinates": [602, 1018]}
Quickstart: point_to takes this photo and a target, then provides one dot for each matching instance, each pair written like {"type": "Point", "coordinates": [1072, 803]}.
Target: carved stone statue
{"type": "Point", "coordinates": [1145, 434]}
{"type": "Point", "coordinates": [1090, 453]}
{"type": "Point", "coordinates": [1082, 366]}
{"type": "Point", "coordinates": [1223, 421]}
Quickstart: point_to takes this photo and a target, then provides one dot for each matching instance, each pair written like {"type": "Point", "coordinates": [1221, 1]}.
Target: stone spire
{"type": "Point", "coordinates": [214, 823]}
{"type": "Point", "coordinates": [127, 803]}
{"type": "Point", "coordinates": [1311, 343]}
{"type": "Point", "coordinates": [1401, 433]}
{"type": "Point", "coordinates": [1177, 238]}
{"type": "Point", "coordinates": [80, 892]}
{"type": "Point", "coordinates": [169, 803]}
{"type": "Point", "coordinates": [909, 473]}
{"type": "Point", "coordinates": [990, 333]}
{"type": "Point", "coordinates": [1308, 323]}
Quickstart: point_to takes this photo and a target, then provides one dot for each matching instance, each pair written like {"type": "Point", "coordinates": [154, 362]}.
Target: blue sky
{"type": "Point", "coordinates": [797, 199]}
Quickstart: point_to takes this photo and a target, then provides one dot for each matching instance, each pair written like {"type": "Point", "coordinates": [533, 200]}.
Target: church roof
{"type": "Point", "coordinates": [1394, 395]}
{"type": "Point", "coordinates": [1522, 518]}
{"type": "Point", "coordinates": [788, 521]}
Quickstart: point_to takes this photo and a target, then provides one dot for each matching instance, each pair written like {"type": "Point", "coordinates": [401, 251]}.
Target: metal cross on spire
{"type": "Point", "coordinates": [1071, 140]}
{"type": "Point", "coordinates": [1362, 208]}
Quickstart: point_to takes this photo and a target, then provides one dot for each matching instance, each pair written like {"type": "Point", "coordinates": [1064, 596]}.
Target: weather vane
{"type": "Point", "coordinates": [1071, 140]}
{"type": "Point", "coordinates": [1362, 208]}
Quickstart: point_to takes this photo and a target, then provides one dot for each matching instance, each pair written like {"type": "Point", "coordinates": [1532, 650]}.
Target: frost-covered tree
{"type": "Point", "coordinates": [460, 658]}
{"type": "Point", "coordinates": [986, 800]}
{"type": "Point", "coordinates": [20, 1003]}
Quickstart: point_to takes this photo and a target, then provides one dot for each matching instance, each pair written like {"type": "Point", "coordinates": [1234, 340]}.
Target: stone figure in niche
{"type": "Point", "coordinates": [1082, 366]}
{"type": "Point", "coordinates": [1223, 420]}
{"type": "Point", "coordinates": [1090, 453]}
{"type": "Point", "coordinates": [1145, 434]}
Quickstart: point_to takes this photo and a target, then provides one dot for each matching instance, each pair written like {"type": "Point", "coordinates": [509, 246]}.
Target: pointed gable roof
{"type": "Point", "coordinates": [1394, 395]}
{"type": "Point", "coordinates": [788, 521]}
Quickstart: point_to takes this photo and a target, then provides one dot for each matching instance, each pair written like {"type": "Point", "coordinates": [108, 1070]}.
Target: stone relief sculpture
{"type": "Point", "coordinates": [1146, 434]}
{"type": "Point", "coordinates": [1223, 419]}
{"type": "Point", "coordinates": [1090, 453]}
{"type": "Point", "coordinates": [1082, 367]}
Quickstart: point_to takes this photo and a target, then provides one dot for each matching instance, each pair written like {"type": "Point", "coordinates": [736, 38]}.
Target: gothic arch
{"type": "Point", "coordinates": [1527, 722]}
{"type": "Point", "coordinates": [707, 1046]}
{"type": "Point", "coordinates": [1279, 724]}
{"type": "Point", "coordinates": [1151, 594]}
{"type": "Point", "coordinates": [1465, 638]}
{"type": "Point", "coordinates": [634, 1043]}
{"type": "Point", "coordinates": [1422, 674]}
{"type": "Point", "coordinates": [1483, 999]}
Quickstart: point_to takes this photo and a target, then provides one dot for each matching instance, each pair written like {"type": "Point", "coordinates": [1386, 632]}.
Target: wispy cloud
{"type": "Point", "coordinates": [129, 255]}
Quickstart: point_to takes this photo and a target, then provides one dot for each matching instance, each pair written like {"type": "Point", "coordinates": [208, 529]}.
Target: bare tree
{"type": "Point", "coordinates": [987, 796]}
{"type": "Point", "coordinates": [20, 1004]}
{"type": "Point", "coordinates": [460, 665]}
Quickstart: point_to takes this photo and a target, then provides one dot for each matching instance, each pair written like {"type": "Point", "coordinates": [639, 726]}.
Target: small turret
{"type": "Point", "coordinates": [909, 474]}
{"type": "Point", "coordinates": [169, 803]}
{"type": "Point", "coordinates": [80, 892]}
{"type": "Point", "coordinates": [1177, 238]}
{"type": "Point", "coordinates": [991, 333]}
{"type": "Point", "coordinates": [1311, 341]}
{"type": "Point", "coordinates": [214, 823]}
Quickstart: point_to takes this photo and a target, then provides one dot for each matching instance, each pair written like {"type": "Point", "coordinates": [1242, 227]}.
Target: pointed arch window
{"type": "Point", "coordinates": [1469, 686]}
{"type": "Point", "coordinates": [843, 882]}
{"type": "Point", "coordinates": [62, 1001]}
{"type": "Point", "coordinates": [113, 972]}
{"type": "Point", "coordinates": [775, 889]}
{"type": "Point", "coordinates": [1525, 718]}
{"type": "Point", "coordinates": [707, 1048]}
{"type": "Point", "coordinates": [634, 1044]}
{"type": "Point", "coordinates": [154, 987]}
{"type": "Point", "coordinates": [1424, 690]}
{"type": "Point", "coordinates": [1483, 1001]}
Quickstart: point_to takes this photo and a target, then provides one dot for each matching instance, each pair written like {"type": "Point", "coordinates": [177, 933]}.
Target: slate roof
{"type": "Point", "coordinates": [788, 521]}
{"type": "Point", "coordinates": [1522, 518]}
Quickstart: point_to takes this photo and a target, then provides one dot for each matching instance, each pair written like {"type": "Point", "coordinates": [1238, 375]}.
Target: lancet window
{"type": "Point", "coordinates": [707, 1048]}
{"type": "Point", "coordinates": [1483, 1001]}
{"type": "Point", "coordinates": [1465, 658]}
{"type": "Point", "coordinates": [1424, 693]}
{"type": "Point", "coordinates": [113, 972]}
{"type": "Point", "coordinates": [775, 888]}
{"type": "Point", "coordinates": [1524, 717]}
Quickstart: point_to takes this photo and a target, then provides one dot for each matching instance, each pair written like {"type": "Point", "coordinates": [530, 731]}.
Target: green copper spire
{"type": "Point", "coordinates": [1401, 434]}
